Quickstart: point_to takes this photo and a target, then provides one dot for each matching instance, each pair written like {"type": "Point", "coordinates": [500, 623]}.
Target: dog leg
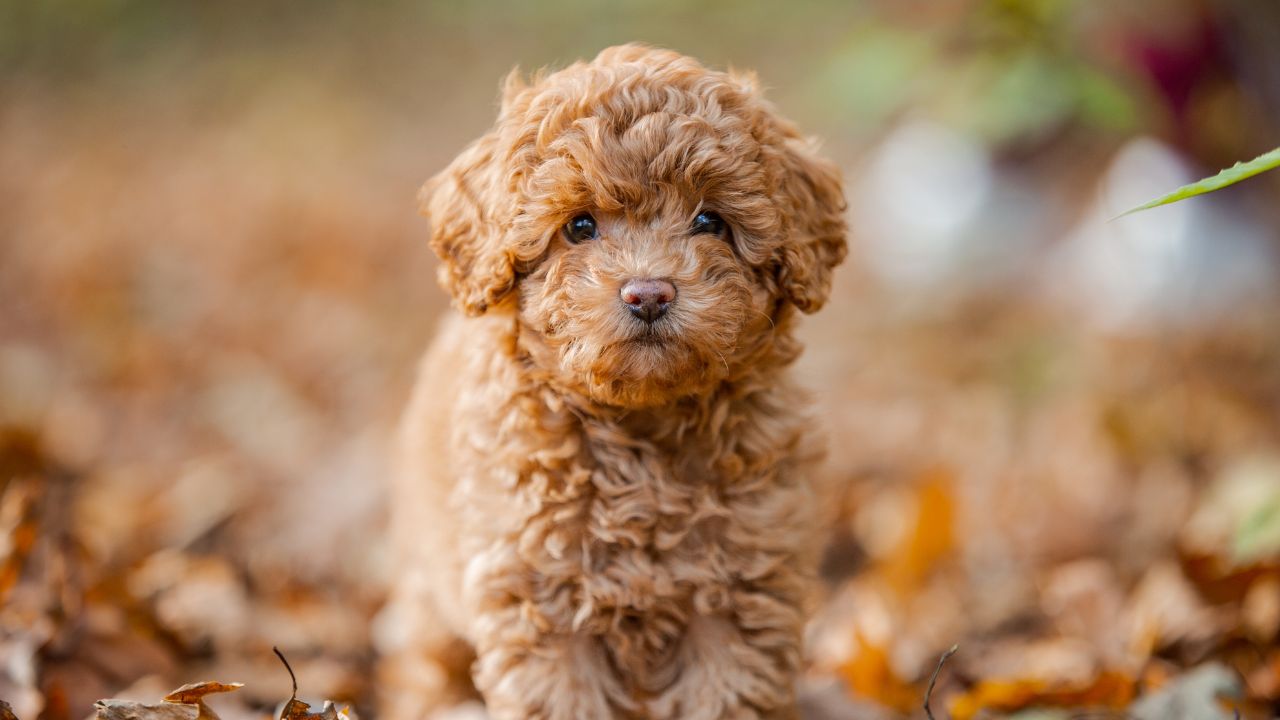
{"type": "Point", "coordinates": [549, 677]}
{"type": "Point", "coordinates": [736, 669]}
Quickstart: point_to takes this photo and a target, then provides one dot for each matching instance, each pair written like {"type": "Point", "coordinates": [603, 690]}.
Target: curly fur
{"type": "Point", "coordinates": [616, 518]}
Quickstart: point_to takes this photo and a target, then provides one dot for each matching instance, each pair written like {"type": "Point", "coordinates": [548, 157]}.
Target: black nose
{"type": "Point", "coordinates": [648, 299]}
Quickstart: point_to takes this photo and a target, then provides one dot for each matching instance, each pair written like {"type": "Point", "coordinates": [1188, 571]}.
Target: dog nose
{"type": "Point", "coordinates": [648, 299]}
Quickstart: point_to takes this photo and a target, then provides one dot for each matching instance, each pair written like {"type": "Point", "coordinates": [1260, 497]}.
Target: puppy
{"type": "Point", "coordinates": [604, 506]}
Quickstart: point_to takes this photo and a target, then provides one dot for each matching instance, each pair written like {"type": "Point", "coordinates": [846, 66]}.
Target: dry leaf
{"type": "Point", "coordinates": [1165, 609]}
{"type": "Point", "coordinates": [185, 703]}
{"type": "Point", "coordinates": [1260, 610]}
{"type": "Point", "coordinates": [296, 709]}
{"type": "Point", "coordinates": [128, 710]}
{"type": "Point", "coordinates": [1263, 682]}
{"type": "Point", "coordinates": [1108, 690]}
{"type": "Point", "coordinates": [870, 676]}
{"type": "Point", "coordinates": [931, 536]}
{"type": "Point", "coordinates": [193, 692]}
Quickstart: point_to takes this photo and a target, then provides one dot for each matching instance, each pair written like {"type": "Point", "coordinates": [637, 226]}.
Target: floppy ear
{"type": "Point", "coordinates": [811, 188]}
{"type": "Point", "coordinates": [470, 207]}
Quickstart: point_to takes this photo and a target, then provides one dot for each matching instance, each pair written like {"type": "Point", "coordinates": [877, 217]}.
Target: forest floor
{"type": "Point", "coordinates": [204, 349]}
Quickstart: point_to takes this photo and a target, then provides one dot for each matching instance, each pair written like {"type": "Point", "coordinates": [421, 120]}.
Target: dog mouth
{"type": "Point", "coordinates": [651, 366]}
{"type": "Point", "coordinates": [658, 334]}
{"type": "Point", "coordinates": [648, 338]}
{"type": "Point", "coordinates": [646, 354]}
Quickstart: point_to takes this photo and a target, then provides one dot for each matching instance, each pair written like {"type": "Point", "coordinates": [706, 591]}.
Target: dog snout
{"type": "Point", "coordinates": [648, 299]}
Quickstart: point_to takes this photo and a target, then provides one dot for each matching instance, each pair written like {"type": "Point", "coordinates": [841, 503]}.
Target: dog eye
{"type": "Point", "coordinates": [580, 229]}
{"type": "Point", "coordinates": [708, 222]}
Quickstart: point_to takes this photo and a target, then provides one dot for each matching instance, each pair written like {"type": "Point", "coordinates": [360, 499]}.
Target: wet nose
{"type": "Point", "coordinates": [648, 299]}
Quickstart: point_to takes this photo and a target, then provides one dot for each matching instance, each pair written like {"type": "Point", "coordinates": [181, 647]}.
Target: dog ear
{"type": "Point", "coordinates": [470, 205]}
{"type": "Point", "coordinates": [469, 211]}
{"type": "Point", "coordinates": [812, 189]}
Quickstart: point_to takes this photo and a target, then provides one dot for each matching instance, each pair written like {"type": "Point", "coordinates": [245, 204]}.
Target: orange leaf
{"type": "Point", "coordinates": [931, 538]}
{"type": "Point", "coordinates": [1111, 690]}
{"type": "Point", "coordinates": [869, 675]}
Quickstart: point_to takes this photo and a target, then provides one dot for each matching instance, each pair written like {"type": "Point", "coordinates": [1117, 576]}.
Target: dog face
{"type": "Point", "coordinates": [648, 220]}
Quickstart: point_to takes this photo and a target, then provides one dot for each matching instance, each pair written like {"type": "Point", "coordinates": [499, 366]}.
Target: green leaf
{"type": "Point", "coordinates": [1230, 176]}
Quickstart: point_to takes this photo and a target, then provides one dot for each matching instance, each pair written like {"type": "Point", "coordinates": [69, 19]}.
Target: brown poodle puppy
{"type": "Point", "coordinates": [603, 507]}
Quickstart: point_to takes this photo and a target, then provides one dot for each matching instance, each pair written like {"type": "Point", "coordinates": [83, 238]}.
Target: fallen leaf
{"type": "Point", "coordinates": [185, 703]}
{"type": "Point", "coordinates": [1084, 600]}
{"type": "Point", "coordinates": [931, 536]}
{"type": "Point", "coordinates": [194, 692]}
{"type": "Point", "coordinates": [128, 710]}
{"type": "Point", "coordinates": [1110, 690]}
{"type": "Point", "coordinates": [1165, 609]}
{"type": "Point", "coordinates": [870, 676]}
{"type": "Point", "coordinates": [1263, 682]}
{"type": "Point", "coordinates": [1260, 610]}
{"type": "Point", "coordinates": [296, 709]}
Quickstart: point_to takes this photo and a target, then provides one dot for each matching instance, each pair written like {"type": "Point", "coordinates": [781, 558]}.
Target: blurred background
{"type": "Point", "coordinates": [1059, 434]}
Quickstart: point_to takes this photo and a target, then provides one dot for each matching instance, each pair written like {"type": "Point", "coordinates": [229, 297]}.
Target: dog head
{"type": "Point", "coordinates": [650, 222]}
